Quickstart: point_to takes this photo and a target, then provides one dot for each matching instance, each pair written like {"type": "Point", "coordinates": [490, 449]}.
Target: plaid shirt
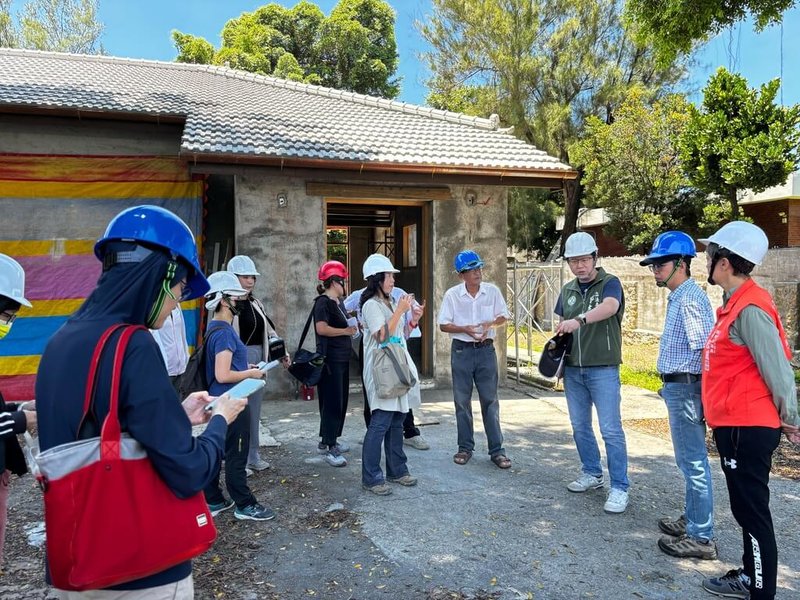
{"type": "Point", "coordinates": [686, 328]}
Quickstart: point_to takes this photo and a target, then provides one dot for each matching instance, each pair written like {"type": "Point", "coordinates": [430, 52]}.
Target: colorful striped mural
{"type": "Point", "coordinates": [54, 208]}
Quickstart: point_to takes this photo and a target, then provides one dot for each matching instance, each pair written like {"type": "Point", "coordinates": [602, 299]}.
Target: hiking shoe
{"type": "Point", "coordinates": [585, 482]}
{"type": "Point", "coordinates": [380, 489]}
{"type": "Point", "coordinates": [406, 480]}
{"type": "Point", "coordinates": [259, 465]}
{"type": "Point", "coordinates": [673, 527]}
{"type": "Point", "coordinates": [418, 442]}
{"type": "Point", "coordinates": [616, 502]}
{"type": "Point", "coordinates": [685, 547]}
{"type": "Point", "coordinates": [731, 585]}
{"type": "Point", "coordinates": [254, 512]}
{"type": "Point", "coordinates": [334, 458]}
{"type": "Point", "coordinates": [219, 507]}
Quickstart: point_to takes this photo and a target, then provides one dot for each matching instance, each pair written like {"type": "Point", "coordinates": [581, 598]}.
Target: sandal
{"type": "Point", "coordinates": [462, 457]}
{"type": "Point", "coordinates": [501, 460]}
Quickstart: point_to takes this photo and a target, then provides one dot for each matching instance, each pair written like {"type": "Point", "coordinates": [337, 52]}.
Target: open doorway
{"type": "Point", "coordinates": [356, 229]}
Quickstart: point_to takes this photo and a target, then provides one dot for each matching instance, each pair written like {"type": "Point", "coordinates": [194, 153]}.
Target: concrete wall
{"type": "Point", "coordinates": [459, 224]}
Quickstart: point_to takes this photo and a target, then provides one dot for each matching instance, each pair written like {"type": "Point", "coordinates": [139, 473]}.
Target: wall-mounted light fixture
{"type": "Point", "coordinates": [283, 199]}
{"type": "Point", "coordinates": [783, 217]}
{"type": "Point", "coordinates": [470, 197]}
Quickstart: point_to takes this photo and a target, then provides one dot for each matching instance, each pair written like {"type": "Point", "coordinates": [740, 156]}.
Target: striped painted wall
{"type": "Point", "coordinates": [52, 210]}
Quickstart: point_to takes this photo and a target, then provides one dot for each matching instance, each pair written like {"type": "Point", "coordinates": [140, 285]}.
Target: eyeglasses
{"type": "Point", "coordinates": [341, 282]}
{"type": "Point", "coordinates": [580, 260]}
{"type": "Point", "coordinates": [186, 291]}
{"type": "Point", "coordinates": [6, 318]}
{"type": "Point", "coordinates": [657, 266]}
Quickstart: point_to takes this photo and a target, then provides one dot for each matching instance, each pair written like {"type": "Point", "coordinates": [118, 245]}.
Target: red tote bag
{"type": "Point", "coordinates": [109, 516]}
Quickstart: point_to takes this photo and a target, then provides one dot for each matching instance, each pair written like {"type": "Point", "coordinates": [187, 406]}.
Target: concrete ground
{"type": "Point", "coordinates": [519, 533]}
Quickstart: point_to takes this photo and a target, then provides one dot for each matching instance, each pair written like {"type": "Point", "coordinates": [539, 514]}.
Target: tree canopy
{"type": "Point", "coordinates": [56, 25]}
{"type": "Point", "coordinates": [352, 49]}
{"type": "Point", "coordinates": [739, 139]}
{"type": "Point", "coordinates": [543, 66]}
{"type": "Point", "coordinates": [675, 26]}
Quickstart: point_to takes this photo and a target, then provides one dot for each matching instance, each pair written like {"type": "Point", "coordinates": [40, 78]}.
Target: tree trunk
{"type": "Point", "coordinates": [734, 201]}
{"type": "Point", "coordinates": [573, 192]}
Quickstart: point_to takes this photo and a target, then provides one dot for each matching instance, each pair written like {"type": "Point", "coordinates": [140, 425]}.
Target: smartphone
{"type": "Point", "coordinates": [243, 389]}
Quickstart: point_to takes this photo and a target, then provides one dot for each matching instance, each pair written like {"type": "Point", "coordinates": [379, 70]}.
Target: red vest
{"type": "Point", "coordinates": [734, 394]}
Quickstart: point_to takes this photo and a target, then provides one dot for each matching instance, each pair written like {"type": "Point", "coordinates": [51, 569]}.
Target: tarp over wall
{"type": "Point", "coordinates": [52, 210]}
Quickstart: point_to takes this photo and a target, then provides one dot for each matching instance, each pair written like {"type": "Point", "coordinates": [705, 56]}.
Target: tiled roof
{"type": "Point", "coordinates": [229, 112]}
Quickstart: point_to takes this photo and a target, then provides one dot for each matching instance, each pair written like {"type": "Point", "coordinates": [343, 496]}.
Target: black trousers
{"type": "Point", "coordinates": [746, 457]}
{"type": "Point", "coordinates": [237, 443]}
{"type": "Point", "coordinates": [334, 392]}
{"type": "Point", "coordinates": [409, 428]}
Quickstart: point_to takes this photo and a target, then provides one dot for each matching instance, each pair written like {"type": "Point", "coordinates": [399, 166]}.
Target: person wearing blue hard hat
{"type": "Point", "coordinates": [470, 313]}
{"type": "Point", "coordinates": [150, 264]}
{"type": "Point", "coordinates": [591, 307]}
{"type": "Point", "coordinates": [688, 322]}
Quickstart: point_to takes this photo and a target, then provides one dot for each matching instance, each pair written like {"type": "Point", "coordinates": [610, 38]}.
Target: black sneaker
{"type": "Point", "coordinates": [730, 585]}
{"type": "Point", "coordinates": [254, 512]}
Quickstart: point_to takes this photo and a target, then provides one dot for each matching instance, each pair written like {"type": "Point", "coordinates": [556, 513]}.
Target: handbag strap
{"type": "Point", "coordinates": [91, 380]}
{"type": "Point", "coordinates": [308, 323]}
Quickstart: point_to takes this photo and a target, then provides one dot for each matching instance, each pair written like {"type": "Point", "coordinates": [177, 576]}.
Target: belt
{"type": "Point", "coordinates": [680, 377]}
{"type": "Point", "coordinates": [463, 344]}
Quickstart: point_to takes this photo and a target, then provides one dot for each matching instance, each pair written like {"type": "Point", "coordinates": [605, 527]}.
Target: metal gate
{"type": "Point", "coordinates": [532, 290]}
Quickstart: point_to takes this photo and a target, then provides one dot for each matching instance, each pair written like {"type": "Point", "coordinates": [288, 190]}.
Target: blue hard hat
{"type": "Point", "coordinates": [668, 244]}
{"type": "Point", "coordinates": [156, 226]}
{"type": "Point", "coordinates": [466, 260]}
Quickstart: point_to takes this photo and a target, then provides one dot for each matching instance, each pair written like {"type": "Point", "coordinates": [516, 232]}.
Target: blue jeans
{"type": "Point", "coordinates": [385, 427]}
{"type": "Point", "coordinates": [598, 386]}
{"type": "Point", "coordinates": [688, 429]}
{"type": "Point", "coordinates": [479, 365]}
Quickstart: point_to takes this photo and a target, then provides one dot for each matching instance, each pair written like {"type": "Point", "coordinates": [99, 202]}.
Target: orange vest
{"type": "Point", "coordinates": [734, 394]}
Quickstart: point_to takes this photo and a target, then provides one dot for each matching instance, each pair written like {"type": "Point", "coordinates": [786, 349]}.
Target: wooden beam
{"type": "Point", "coordinates": [338, 190]}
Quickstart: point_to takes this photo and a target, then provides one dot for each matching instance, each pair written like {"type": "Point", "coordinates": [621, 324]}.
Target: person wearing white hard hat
{"type": "Point", "coordinates": [591, 308]}
{"type": "Point", "coordinates": [749, 397]}
{"type": "Point", "coordinates": [14, 418]}
{"type": "Point", "coordinates": [378, 263]}
{"type": "Point", "coordinates": [256, 330]}
{"type": "Point", "coordinates": [226, 365]}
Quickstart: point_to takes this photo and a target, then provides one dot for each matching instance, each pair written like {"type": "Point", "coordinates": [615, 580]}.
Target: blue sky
{"type": "Point", "coordinates": [141, 29]}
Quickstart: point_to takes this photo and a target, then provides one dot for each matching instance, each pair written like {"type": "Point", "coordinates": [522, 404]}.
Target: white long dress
{"type": "Point", "coordinates": [375, 315]}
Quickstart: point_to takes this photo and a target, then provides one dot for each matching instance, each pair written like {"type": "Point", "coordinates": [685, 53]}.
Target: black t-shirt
{"type": "Point", "coordinates": [336, 348]}
{"type": "Point", "coordinates": [251, 323]}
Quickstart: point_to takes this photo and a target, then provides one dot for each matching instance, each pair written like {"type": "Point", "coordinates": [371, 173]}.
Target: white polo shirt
{"type": "Point", "coordinates": [171, 339]}
{"type": "Point", "coordinates": [460, 308]}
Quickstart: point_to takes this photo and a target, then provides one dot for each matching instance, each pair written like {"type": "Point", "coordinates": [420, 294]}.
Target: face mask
{"type": "Point", "coordinates": [4, 329]}
{"type": "Point", "coordinates": [234, 308]}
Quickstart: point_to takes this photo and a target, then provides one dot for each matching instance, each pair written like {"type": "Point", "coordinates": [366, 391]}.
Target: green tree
{"type": "Point", "coordinates": [543, 66]}
{"type": "Point", "coordinates": [632, 169]}
{"type": "Point", "coordinates": [55, 25]}
{"type": "Point", "coordinates": [739, 139]}
{"type": "Point", "coordinates": [353, 49]}
{"type": "Point", "coordinates": [675, 26]}
{"type": "Point", "coordinates": [532, 216]}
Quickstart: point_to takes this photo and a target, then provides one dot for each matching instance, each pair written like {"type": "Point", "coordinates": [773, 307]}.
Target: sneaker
{"type": "Point", "coordinates": [673, 527]}
{"type": "Point", "coordinates": [334, 458]}
{"type": "Point", "coordinates": [406, 480]}
{"type": "Point", "coordinates": [418, 442]}
{"type": "Point", "coordinates": [341, 446]}
{"type": "Point", "coordinates": [731, 585]}
{"type": "Point", "coordinates": [248, 472]}
{"type": "Point", "coordinates": [616, 502]}
{"type": "Point", "coordinates": [685, 547]}
{"type": "Point", "coordinates": [254, 512]}
{"type": "Point", "coordinates": [380, 489]}
{"type": "Point", "coordinates": [215, 509]}
{"type": "Point", "coordinates": [585, 482]}
{"type": "Point", "coordinates": [259, 465]}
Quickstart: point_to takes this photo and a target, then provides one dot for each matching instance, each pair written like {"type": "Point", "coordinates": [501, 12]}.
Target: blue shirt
{"type": "Point", "coordinates": [686, 328]}
{"type": "Point", "coordinates": [219, 340]}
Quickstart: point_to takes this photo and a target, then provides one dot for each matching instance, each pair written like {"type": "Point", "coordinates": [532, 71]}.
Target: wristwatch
{"type": "Point", "coordinates": [581, 318]}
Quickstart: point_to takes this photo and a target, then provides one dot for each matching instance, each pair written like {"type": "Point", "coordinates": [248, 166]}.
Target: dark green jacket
{"type": "Point", "coordinates": [596, 344]}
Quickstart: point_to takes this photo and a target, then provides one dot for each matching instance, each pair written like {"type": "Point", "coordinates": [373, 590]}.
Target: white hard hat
{"type": "Point", "coordinates": [12, 280]}
{"type": "Point", "coordinates": [378, 263]}
{"type": "Point", "coordinates": [579, 244]}
{"type": "Point", "coordinates": [242, 265]}
{"type": "Point", "coordinates": [222, 283]}
{"type": "Point", "coordinates": [741, 238]}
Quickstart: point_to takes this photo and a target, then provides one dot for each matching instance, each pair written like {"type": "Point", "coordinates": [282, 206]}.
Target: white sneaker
{"type": "Point", "coordinates": [334, 458]}
{"type": "Point", "coordinates": [342, 445]}
{"type": "Point", "coordinates": [259, 465]}
{"type": "Point", "coordinates": [585, 483]}
{"type": "Point", "coordinates": [248, 472]}
{"type": "Point", "coordinates": [617, 501]}
{"type": "Point", "coordinates": [418, 442]}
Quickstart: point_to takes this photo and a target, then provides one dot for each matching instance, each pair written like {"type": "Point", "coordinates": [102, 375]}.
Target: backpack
{"type": "Point", "coordinates": [194, 378]}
